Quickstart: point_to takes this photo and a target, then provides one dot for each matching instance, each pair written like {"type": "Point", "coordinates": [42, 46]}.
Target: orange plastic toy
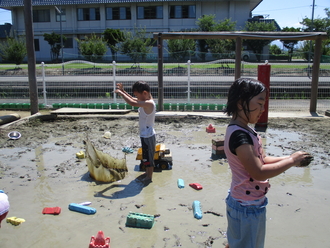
{"type": "Point", "coordinates": [99, 241]}
{"type": "Point", "coordinates": [210, 129]}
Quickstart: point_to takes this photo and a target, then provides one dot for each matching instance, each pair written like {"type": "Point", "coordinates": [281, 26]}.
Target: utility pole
{"type": "Point", "coordinates": [311, 30]}
{"type": "Point", "coordinates": [33, 89]}
{"type": "Point", "coordinates": [59, 10]}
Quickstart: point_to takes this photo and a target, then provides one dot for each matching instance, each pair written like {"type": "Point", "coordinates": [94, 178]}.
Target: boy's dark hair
{"type": "Point", "coordinates": [242, 91]}
{"type": "Point", "coordinates": [140, 86]}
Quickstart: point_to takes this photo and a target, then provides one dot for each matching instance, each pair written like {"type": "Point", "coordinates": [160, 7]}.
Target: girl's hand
{"type": "Point", "coordinates": [302, 159]}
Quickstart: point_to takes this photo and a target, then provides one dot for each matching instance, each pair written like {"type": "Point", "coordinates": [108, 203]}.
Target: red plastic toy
{"type": "Point", "coordinates": [99, 241]}
{"type": "Point", "coordinates": [196, 186]}
{"type": "Point", "coordinates": [54, 210]}
{"type": "Point", "coordinates": [210, 129]}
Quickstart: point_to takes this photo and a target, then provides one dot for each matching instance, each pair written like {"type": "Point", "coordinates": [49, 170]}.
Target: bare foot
{"type": "Point", "coordinates": [146, 181]}
{"type": "Point", "coordinates": [141, 177]}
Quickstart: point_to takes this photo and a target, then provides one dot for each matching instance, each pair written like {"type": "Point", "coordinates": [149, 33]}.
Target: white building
{"type": "Point", "coordinates": [83, 17]}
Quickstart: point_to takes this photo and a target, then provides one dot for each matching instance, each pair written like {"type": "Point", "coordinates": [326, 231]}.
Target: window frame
{"type": "Point", "coordinates": [123, 13]}
{"type": "Point", "coordinates": [36, 45]}
{"type": "Point", "coordinates": [88, 14]}
{"type": "Point", "coordinates": [58, 16]}
{"type": "Point", "coordinates": [149, 12]}
{"type": "Point", "coordinates": [38, 13]}
{"type": "Point", "coordinates": [182, 11]}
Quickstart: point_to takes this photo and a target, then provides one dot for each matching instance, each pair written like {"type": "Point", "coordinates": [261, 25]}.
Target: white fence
{"type": "Point", "coordinates": [187, 86]}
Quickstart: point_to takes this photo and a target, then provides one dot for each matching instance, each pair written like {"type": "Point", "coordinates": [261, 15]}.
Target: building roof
{"type": "Point", "coordinates": [19, 3]}
{"type": "Point", "coordinates": [262, 19]}
{"type": "Point", "coordinates": [5, 30]}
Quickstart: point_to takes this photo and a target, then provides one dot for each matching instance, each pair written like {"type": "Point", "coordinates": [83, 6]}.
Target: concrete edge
{"type": "Point", "coordinates": [159, 115]}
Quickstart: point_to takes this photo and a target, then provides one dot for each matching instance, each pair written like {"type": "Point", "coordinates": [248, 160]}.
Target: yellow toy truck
{"type": "Point", "coordinates": [163, 158]}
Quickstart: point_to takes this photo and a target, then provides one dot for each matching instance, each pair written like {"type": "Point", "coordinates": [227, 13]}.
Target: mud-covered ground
{"type": "Point", "coordinates": [41, 170]}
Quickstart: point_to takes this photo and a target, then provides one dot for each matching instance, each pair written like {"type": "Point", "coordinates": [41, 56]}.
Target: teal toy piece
{"type": "Point", "coordinates": [197, 210]}
{"type": "Point", "coordinates": [140, 220]}
{"type": "Point", "coordinates": [180, 183]}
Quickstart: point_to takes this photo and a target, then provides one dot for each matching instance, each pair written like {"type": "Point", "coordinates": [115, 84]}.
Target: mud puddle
{"type": "Point", "coordinates": [46, 173]}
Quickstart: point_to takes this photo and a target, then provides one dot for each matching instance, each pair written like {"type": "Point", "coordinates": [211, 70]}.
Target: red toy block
{"type": "Point", "coordinates": [99, 241]}
{"type": "Point", "coordinates": [210, 129]}
{"type": "Point", "coordinates": [54, 210]}
{"type": "Point", "coordinates": [196, 186]}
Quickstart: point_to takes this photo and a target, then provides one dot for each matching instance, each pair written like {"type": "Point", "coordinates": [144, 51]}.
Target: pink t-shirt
{"type": "Point", "coordinates": [243, 186]}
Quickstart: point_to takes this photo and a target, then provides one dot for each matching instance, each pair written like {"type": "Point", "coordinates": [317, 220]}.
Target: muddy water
{"type": "Point", "coordinates": [50, 175]}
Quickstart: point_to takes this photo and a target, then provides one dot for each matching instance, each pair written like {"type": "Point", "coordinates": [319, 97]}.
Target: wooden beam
{"type": "Point", "coordinates": [238, 58]}
{"type": "Point", "coordinates": [243, 35]}
{"type": "Point", "coordinates": [315, 75]}
{"type": "Point", "coordinates": [160, 73]}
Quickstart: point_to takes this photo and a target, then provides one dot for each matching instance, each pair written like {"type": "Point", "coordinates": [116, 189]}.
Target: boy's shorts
{"type": "Point", "coordinates": [246, 224]}
{"type": "Point", "coordinates": [148, 150]}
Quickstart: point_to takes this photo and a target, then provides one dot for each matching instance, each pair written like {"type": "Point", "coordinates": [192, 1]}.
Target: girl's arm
{"type": "Point", "coordinates": [271, 159]}
{"type": "Point", "coordinates": [272, 168]}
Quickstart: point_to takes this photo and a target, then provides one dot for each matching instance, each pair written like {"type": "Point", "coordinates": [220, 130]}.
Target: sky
{"type": "Point", "coordinates": [287, 13]}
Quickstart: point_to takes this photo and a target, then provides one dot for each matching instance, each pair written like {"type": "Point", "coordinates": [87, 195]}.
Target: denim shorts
{"type": "Point", "coordinates": [246, 224]}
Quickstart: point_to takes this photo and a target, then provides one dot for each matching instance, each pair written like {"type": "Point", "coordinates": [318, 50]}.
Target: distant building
{"type": "Point", "coordinates": [83, 17]}
{"type": "Point", "coordinates": [5, 31]}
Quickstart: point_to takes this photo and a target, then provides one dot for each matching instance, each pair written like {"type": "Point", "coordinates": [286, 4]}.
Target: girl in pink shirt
{"type": "Point", "coordinates": [251, 168]}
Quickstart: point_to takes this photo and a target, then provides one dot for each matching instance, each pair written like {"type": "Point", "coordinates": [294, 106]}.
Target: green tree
{"type": "Point", "coordinates": [289, 44]}
{"type": "Point", "coordinates": [257, 45]}
{"type": "Point", "coordinates": [222, 48]}
{"type": "Point", "coordinates": [180, 49]}
{"type": "Point", "coordinates": [113, 37]}
{"type": "Point", "coordinates": [136, 44]}
{"type": "Point", "coordinates": [219, 48]}
{"type": "Point", "coordinates": [13, 50]}
{"type": "Point", "coordinates": [274, 49]}
{"type": "Point", "coordinates": [318, 25]}
{"type": "Point", "coordinates": [92, 48]}
{"type": "Point", "coordinates": [205, 24]}
{"type": "Point", "coordinates": [54, 40]}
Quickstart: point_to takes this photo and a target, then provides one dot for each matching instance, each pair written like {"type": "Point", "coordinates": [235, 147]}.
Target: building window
{"type": "Point", "coordinates": [58, 15]}
{"type": "Point", "coordinates": [41, 15]}
{"type": "Point", "coordinates": [118, 13]}
{"type": "Point", "coordinates": [68, 43]}
{"type": "Point", "coordinates": [36, 45]}
{"type": "Point", "coordinates": [182, 11]}
{"type": "Point", "coordinates": [150, 12]}
{"type": "Point", "coordinates": [89, 14]}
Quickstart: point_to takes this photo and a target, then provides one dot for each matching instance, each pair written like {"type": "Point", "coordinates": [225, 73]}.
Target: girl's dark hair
{"type": "Point", "coordinates": [140, 86]}
{"type": "Point", "coordinates": [242, 91]}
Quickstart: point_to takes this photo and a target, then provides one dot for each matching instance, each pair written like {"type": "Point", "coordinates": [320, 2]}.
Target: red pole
{"type": "Point", "coordinates": [264, 77]}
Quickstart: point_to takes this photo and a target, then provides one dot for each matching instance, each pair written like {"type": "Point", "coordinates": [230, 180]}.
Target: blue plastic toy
{"type": "Point", "coordinates": [180, 183]}
{"type": "Point", "coordinates": [197, 210]}
{"type": "Point", "coordinates": [82, 209]}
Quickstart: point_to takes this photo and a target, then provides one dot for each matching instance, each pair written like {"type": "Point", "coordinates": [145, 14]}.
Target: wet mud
{"type": "Point", "coordinates": [41, 170]}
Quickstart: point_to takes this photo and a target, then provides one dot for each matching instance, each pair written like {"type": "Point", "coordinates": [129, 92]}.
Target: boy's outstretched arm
{"type": "Point", "coordinates": [127, 97]}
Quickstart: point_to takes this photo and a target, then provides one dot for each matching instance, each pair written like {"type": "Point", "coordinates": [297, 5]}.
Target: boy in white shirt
{"type": "Point", "coordinates": [147, 111]}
